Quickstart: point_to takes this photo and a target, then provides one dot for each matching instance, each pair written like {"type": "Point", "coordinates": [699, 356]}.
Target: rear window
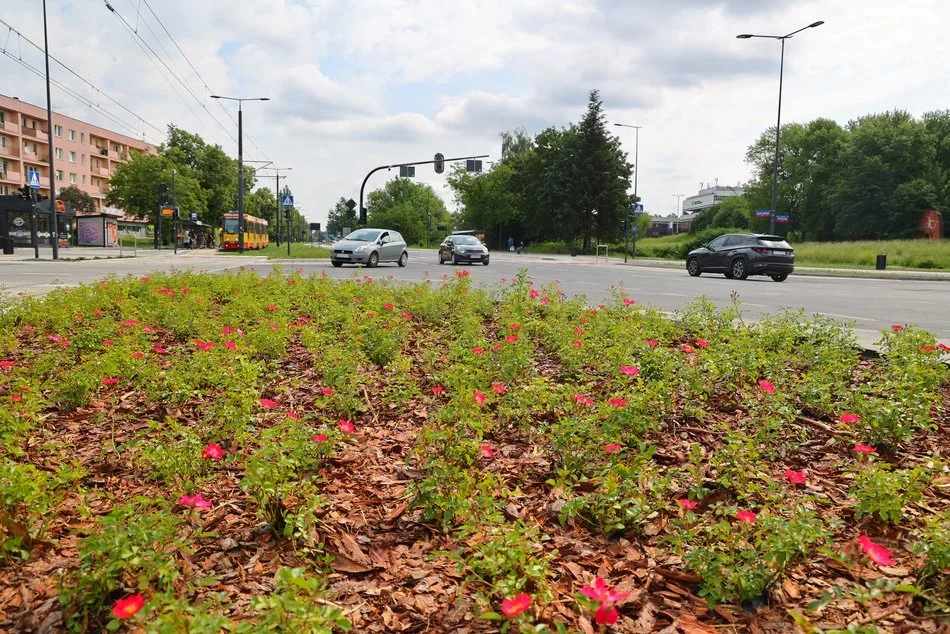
{"type": "Point", "coordinates": [774, 242]}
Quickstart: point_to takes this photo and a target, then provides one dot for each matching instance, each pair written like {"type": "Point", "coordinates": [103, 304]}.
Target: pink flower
{"type": "Point", "coordinates": [478, 350]}
{"type": "Point", "coordinates": [878, 554]}
{"type": "Point", "coordinates": [107, 342]}
{"type": "Point", "coordinates": [612, 447]}
{"type": "Point", "coordinates": [272, 307]}
{"type": "Point", "coordinates": [110, 381]}
{"type": "Point", "coordinates": [212, 451]}
{"type": "Point", "coordinates": [897, 327]}
{"type": "Point", "coordinates": [516, 605]}
{"type": "Point", "coordinates": [326, 391]}
{"type": "Point", "coordinates": [479, 397]}
{"type": "Point", "coordinates": [293, 415]}
{"type": "Point", "coordinates": [583, 400]}
{"type": "Point", "coordinates": [652, 343]}
{"type": "Point", "coordinates": [618, 402]}
{"type": "Point", "coordinates": [320, 437]}
{"type": "Point", "coordinates": [514, 326]}
{"type": "Point", "coordinates": [578, 331]}
{"type": "Point", "coordinates": [487, 451]}
{"type": "Point", "coordinates": [195, 501]}
{"type": "Point", "coordinates": [148, 329]}
{"type": "Point", "coordinates": [499, 388]}
{"type": "Point", "coordinates": [128, 323]}
{"type": "Point", "coordinates": [267, 403]}
{"type": "Point", "coordinates": [746, 517]}
{"type": "Point", "coordinates": [533, 294]}
{"type": "Point", "coordinates": [159, 350]}
{"type": "Point", "coordinates": [629, 370]}
{"type": "Point", "coordinates": [227, 330]}
{"type": "Point", "coordinates": [849, 418]}
{"type": "Point", "coordinates": [628, 302]}
{"type": "Point", "coordinates": [137, 355]}
{"type": "Point", "coordinates": [688, 349]}
{"type": "Point", "coordinates": [511, 338]}
{"type": "Point", "coordinates": [577, 343]}
{"type": "Point", "coordinates": [600, 591]}
{"type": "Point", "coordinates": [127, 607]}
{"type": "Point", "coordinates": [229, 345]}
{"type": "Point", "coordinates": [606, 614]}
{"type": "Point", "coordinates": [795, 477]}
{"type": "Point", "coordinates": [6, 365]}
{"type": "Point", "coordinates": [437, 390]}
{"type": "Point", "coordinates": [928, 348]}
{"type": "Point", "coordinates": [497, 347]}
{"type": "Point", "coordinates": [545, 299]}
{"type": "Point", "coordinates": [346, 426]}
{"type": "Point", "coordinates": [389, 306]}
{"type": "Point", "coordinates": [943, 347]}
{"type": "Point", "coordinates": [702, 343]}
{"type": "Point", "coordinates": [687, 504]}
{"type": "Point", "coordinates": [767, 386]}
{"type": "Point", "coordinates": [866, 450]}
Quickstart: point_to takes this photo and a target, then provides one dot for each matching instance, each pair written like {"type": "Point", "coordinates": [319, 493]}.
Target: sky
{"type": "Point", "coordinates": [355, 84]}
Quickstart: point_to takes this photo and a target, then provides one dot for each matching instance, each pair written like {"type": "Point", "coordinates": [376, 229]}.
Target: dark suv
{"type": "Point", "coordinates": [739, 255]}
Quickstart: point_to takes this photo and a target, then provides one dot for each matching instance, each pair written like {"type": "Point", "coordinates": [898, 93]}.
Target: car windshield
{"type": "Point", "coordinates": [774, 242]}
{"type": "Point", "coordinates": [230, 225]}
{"type": "Point", "coordinates": [465, 240]}
{"type": "Point", "coordinates": [363, 235]}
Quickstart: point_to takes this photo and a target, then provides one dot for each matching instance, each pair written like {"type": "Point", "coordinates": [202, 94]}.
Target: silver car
{"type": "Point", "coordinates": [370, 247]}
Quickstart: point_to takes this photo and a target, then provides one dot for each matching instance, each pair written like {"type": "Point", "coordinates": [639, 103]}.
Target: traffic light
{"type": "Point", "coordinates": [163, 194]}
{"type": "Point", "coordinates": [25, 193]}
{"type": "Point", "coordinates": [318, 227]}
{"type": "Point", "coordinates": [363, 215]}
{"type": "Point", "coordinates": [439, 162]}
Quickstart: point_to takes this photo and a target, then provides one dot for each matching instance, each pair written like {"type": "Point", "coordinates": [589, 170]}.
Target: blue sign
{"type": "Point", "coordinates": [781, 218]}
{"type": "Point", "coordinates": [763, 213]}
{"type": "Point", "coordinates": [287, 201]}
{"type": "Point", "coordinates": [34, 180]}
{"type": "Point", "coordinates": [635, 228]}
{"type": "Point", "coordinates": [636, 208]}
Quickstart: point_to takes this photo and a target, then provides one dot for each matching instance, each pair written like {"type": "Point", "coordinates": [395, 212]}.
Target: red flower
{"type": "Point", "coordinates": [628, 302]}
{"type": "Point", "coordinates": [944, 347]}
{"type": "Point", "coordinates": [516, 605]}
{"type": "Point", "coordinates": [928, 348]}
{"type": "Point", "coordinates": [497, 347]}
{"type": "Point", "coordinates": [272, 307]}
{"type": "Point", "coordinates": [293, 415]}
{"type": "Point", "coordinates": [326, 391]}
{"type": "Point", "coordinates": [795, 477]}
{"type": "Point", "coordinates": [511, 338]}
{"type": "Point", "coordinates": [267, 403]}
{"type": "Point", "coordinates": [702, 343]}
{"type": "Point", "coordinates": [767, 386]}
{"type": "Point", "coordinates": [213, 451]}
{"type": "Point", "coordinates": [545, 299]}
{"type": "Point", "coordinates": [850, 418]}
{"type": "Point", "coordinates": [878, 554]}
{"type": "Point", "coordinates": [478, 350]}
{"type": "Point", "coordinates": [578, 331]}
{"type": "Point", "coordinates": [629, 370]}
{"type": "Point", "coordinates": [600, 591]}
{"type": "Point", "coordinates": [127, 607]}
{"type": "Point", "coordinates": [227, 330]}
{"type": "Point", "coordinates": [137, 355]}
{"type": "Point", "coordinates": [866, 450]}
{"type": "Point", "coordinates": [110, 381]}
{"type": "Point", "coordinates": [652, 343]}
{"type": "Point", "coordinates": [229, 345]}
{"type": "Point", "coordinates": [346, 426]}
{"type": "Point", "coordinates": [389, 306]}
{"type": "Point", "coordinates": [159, 350]}
{"type": "Point", "coordinates": [618, 402]}
{"type": "Point", "coordinates": [583, 400]}
{"type": "Point", "coordinates": [688, 349]}
{"type": "Point", "coordinates": [612, 447]}
{"type": "Point", "coordinates": [437, 390]}
{"type": "Point", "coordinates": [131, 322]}
{"type": "Point", "coordinates": [514, 326]}
{"type": "Point", "coordinates": [606, 614]}
{"type": "Point", "coordinates": [746, 517]}
{"type": "Point", "coordinates": [577, 343]}
{"type": "Point", "coordinates": [107, 342]}
{"type": "Point", "coordinates": [499, 388]}
{"type": "Point", "coordinates": [689, 505]}
{"type": "Point", "coordinates": [148, 329]}
{"type": "Point", "coordinates": [533, 293]}
{"type": "Point", "coordinates": [6, 365]}
{"type": "Point", "coordinates": [487, 451]}
{"type": "Point", "coordinates": [897, 327]}
{"type": "Point", "coordinates": [479, 397]}
{"type": "Point", "coordinates": [320, 437]}
{"type": "Point", "coordinates": [195, 501]}
{"type": "Point", "coordinates": [370, 314]}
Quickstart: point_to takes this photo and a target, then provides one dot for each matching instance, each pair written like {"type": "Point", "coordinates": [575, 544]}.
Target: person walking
{"type": "Point", "coordinates": [511, 243]}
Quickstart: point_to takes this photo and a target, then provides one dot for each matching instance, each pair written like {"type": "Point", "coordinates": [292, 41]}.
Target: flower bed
{"type": "Point", "coordinates": [196, 453]}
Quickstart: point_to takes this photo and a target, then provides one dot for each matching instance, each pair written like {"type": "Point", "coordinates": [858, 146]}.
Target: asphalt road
{"type": "Point", "coordinates": [870, 305]}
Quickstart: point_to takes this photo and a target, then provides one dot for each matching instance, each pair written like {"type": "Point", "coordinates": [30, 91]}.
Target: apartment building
{"type": "Point", "coordinates": [84, 155]}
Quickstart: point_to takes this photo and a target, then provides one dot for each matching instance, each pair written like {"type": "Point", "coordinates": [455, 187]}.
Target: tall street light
{"type": "Point", "coordinates": [53, 218]}
{"type": "Point", "coordinates": [778, 124]}
{"type": "Point", "coordinates": [678, 197]}
{"type": "Point", "coordinates": [240, 204]}
{"type": "Point", "coordinates": [277, 171]}
{"type": "Point", "coordinates": [636, 170]}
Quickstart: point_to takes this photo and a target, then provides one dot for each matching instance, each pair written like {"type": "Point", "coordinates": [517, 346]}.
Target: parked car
{"type": "Point", "coordinates": [739, 255]}
{"type": "Point", "coordinates": [370, 247]}
{"type": "Point", "coordinates": [458, 248]}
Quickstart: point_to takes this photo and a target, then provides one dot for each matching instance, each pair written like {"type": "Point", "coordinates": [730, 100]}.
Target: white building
{"type": "Point", "coordinates": [710, 196]}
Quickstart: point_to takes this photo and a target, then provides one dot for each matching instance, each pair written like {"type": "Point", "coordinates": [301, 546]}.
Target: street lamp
{"type": "Point", "coordinates": [678, 197]}
{"type": "Point", "coordinates": [240, 204]}
{"type": "Point", "coordinates": [278, 170]}
{"type": "Point", "coordinates": [53, 218]}
{"type": "Point", "coordinates": [778, 124]}
{"type": "Point", "coordinates": [636, 171]}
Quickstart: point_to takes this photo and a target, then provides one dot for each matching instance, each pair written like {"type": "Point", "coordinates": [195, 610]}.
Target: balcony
{"type": "Point", "coordinates": [9, 126]}
{"type": "Point", "coordinates": [103, 151]}
{"type": "Point", "coordinates": [11, 177]}
{"type": "Point", "coordinates": [103, 171]}
{"type": "Point", "coordinates": [9, 151]}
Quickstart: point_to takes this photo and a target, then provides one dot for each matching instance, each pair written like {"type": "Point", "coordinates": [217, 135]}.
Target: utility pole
{"type": "Point", "coordinates": [53, 218]}
{"type": "Point", "coordinates": [678, 197]}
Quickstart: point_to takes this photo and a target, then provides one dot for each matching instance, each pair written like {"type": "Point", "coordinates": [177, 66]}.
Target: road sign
{"type": "Point", "coordinates": [351, 204]}
{"type": "Point", "coordinates": [407, 171]}
{"type": "Point", "coordinates": [168, 211]}
{"type": "Point", "coordinates": [287, 200]}
{"type": "Point", "coordinates": [763, 213]}
{"type": "Point", "coordinates": [34, 180]}
{"type": "Point", "coordinates": [635, 208]}
{"type": "Point", "coordinates": [781, 218]}
{"type": "Point", "coordinates": [635, 228]}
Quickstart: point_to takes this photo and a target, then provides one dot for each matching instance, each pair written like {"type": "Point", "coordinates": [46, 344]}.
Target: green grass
{"type": "Point", "coordinates": [298, 251]}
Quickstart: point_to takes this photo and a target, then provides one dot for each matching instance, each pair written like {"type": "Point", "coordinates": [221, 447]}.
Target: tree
{"type": "Point", "coordinates": [515, 142]}
{"type": "Point", "coordinates": [488, 201]}
{"type": "Point", "coordinates": [215, 170]}
{"type": "Point", "coordinates": [263, 204]}
{"type": "Point", "coordinates": [409, 208]}
{"type": "Point", "coordinates": [338, 218]}
{"type": "Point", "coordinates": [80, 200]}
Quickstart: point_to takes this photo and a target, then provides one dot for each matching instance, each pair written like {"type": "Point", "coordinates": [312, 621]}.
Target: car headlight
{"type": "Point", "coordinates": [364, 247]}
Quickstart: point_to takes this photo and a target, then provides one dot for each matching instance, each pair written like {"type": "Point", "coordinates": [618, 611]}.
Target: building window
{"type": "Point", "coordinates": [58, 130]}
{"type": "Point", "coordinates": [59, 175]}
{"type": "Point", "coordinates": [83, 159]}
{"type": "Point", "coordinates": [82, 137]}
{"type": "Point", "coordinates": [83, 179]}
{"type": "Point", "coordinates": [72, 135]}
{"type": "Point", "coordinates": [72, 178]}
{"type": "Point", "coordinates": [3, 141]}
{"type": "Point", "coordinates": [59, 153]}
{"type": "Point", "coordinates": [72, 157]}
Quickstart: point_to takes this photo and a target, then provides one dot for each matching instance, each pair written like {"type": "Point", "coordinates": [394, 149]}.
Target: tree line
{"type": "Point", "coordinates": [201, 178]}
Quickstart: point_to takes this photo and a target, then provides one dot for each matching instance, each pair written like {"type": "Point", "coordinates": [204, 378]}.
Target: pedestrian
{"type": "Point", "coordinates": [521, 247]}
{"type": "Point", "coordinates": [511, 243]}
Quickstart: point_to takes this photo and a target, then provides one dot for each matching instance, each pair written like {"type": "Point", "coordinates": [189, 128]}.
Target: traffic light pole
{"type": "Point", "coordinates": [362, 219]}
{"type": "Point", "coordinates": [53, 218]}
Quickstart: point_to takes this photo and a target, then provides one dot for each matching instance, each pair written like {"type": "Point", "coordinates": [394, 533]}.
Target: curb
{"type": "Point", "coordinates": [933, 276]}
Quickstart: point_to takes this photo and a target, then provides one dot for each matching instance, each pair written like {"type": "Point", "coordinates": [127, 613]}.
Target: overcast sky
{"type": "Point", "coordinates": [359, 83]}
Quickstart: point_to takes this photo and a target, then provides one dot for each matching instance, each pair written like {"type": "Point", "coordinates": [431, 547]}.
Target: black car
{"type": "Point", "coordinates": [739, 255]}
{"type": "Point", "coordinates": [462, 248]}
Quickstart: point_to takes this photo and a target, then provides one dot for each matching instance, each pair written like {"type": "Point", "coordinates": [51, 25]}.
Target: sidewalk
{"type": "Point", "coordinates": [72, 254]}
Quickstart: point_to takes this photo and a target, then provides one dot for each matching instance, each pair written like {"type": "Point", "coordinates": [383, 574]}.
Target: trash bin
{"type": "Point", "coordinates": [573, 251]}
{"type": "Point", "coordinates": [7, 245]}
{"type": "Point", "coordinates": [881, 262]}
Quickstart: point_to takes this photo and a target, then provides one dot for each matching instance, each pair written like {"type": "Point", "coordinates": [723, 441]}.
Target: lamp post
{"type": "Point", "coordinates": [277, 171]}
{"type": "Point", "coordinates": [240, 204]}
{"type": "Point", "coordinates": [778, 124]}
{"type": "Point", "coordinates": [53, 218]}
{"type": "Point", "coordinates": [636, 173]}
{"type": "Point", "coordinates": [678, 197]}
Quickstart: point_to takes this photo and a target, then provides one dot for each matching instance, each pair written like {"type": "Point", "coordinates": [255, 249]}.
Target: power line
{"type": "Point", "coordinates": [20, 36]}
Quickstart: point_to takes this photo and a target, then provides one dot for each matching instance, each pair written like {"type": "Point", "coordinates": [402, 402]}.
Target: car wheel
{"type": "Point", "coordinates": [485, 262]}
{"type": "Point", "coordinates": [441, 259]}
{"type": "Point", "coordinates": [781, 277]}
{"type": "Point", "coordinates": [455, 259]}
{"type": "Point", "coordinates": [336, 264]}
{"type": "Point", "coordinates": [373, 261]}
{"type": "Point", "coordinates": [738, 269]}
{"type": "Point", "coordinates": [692, 267]}
{"type": "Point", "coordinates": [403, 259]}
